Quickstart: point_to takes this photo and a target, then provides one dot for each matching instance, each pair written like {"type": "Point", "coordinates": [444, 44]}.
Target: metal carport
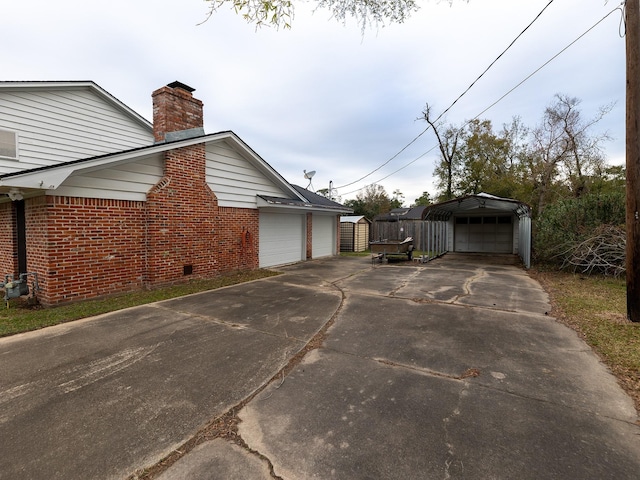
{"type": "Point", "coordinates": [475, 221]}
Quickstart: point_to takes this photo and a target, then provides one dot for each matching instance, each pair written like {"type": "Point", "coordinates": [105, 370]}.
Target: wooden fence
{"type": "Point", "coordinates": [429, 236]}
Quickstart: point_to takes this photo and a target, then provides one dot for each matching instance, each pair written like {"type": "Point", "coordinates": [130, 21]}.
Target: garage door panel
{"type": "Point", "coordinates": [504, 238]}
{"type": "Point", "coordinates": [461, 238]}
{"type": "Point", "coordinates": [323, 236]}
{"type": "Point", "coordinates": [484, 235]}
{"type": "Point", "coordinates": [281, 239]}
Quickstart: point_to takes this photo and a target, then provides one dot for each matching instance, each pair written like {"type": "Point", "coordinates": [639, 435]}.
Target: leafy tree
{"type": "Point", "coordinates": [559, 158]}
{"type": "Point", "coordinates": [373, 201]}
{"type": "Point", "coordinates": [609, 179]}
{"type": "Point", "coordinates": [484, 162]}
{"type": "Point", "coordinates": [516, 150]}
{"type": "Point", "coordinates": [280, 13]}
{"type": "Point", "coordinates": [475, 159]}
{"type": "Point", "coordinates": [562, 152]}
{"type": "Point", "coordinates": [356, 205]}
{"type": "Point", "coordinates": [397, 199]}
{"type": "Point", "coordinates": [585, 154]}
{"type": "Point", "coordinates": [422, 200]}
{"type": "Point", "coordinates": [331, 195]}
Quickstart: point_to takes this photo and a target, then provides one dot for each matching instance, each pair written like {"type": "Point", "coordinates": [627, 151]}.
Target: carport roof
{"type": "Point", "coordinates": [466, 204]}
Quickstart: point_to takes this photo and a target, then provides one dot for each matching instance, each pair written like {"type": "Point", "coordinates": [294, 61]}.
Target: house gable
{"type": "Point", "coordinates": [237, 176]}
{"type": "Point", "coordinates": [59, 122]}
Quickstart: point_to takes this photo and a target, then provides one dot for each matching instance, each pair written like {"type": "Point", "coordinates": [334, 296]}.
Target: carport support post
{"type": "Point", "coordinates": [633, 159]}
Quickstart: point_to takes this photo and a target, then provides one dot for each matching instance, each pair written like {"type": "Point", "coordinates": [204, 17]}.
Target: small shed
{"type": "Point", "coordinates": [354, 233]}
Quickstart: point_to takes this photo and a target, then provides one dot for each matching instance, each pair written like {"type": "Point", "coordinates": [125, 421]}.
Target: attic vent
{"type": "Point", "coordinates": [8, 144]}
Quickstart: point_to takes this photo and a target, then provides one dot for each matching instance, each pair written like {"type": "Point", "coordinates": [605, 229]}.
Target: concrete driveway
{"type": "Point", "coordinates": [452, 369]}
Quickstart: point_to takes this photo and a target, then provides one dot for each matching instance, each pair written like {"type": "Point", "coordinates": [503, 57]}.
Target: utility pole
{"type": "Point", "coordinates": [633, 158]}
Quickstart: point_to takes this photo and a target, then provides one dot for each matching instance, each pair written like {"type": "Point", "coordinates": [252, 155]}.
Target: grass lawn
{"type": "Point", "coordinates": [596, 308]}
{"type": "Point", "coordinates": [20, 317]}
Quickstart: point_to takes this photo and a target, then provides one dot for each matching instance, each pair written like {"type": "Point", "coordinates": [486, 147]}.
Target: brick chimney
{"type": "Point", "coordinates": [176, 113]}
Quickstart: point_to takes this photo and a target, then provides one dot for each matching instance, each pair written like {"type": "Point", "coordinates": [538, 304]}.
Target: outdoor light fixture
{"type": "Point", "coordinates": [15, 194]}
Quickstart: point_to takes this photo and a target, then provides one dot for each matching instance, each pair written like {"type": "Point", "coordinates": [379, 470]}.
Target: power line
{"type": "Point", "coordinates": [486, 109]}
{"type": "Point", "coordinates": [394, 172]}
{"type": "Point", "coordinates": [454, 102]}
{"type": "Point", "coordinates": [492, 63]}
{"type": "Point", "coordinates": [545, 63]}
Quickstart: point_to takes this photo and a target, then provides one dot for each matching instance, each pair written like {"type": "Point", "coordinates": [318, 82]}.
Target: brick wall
{"type": "Point", "coordinates": [83, 248]}
{"type": "Point", "coordinates": [238, 239]}
{"type": "Point", "coordinates": [8, 249]}
{"type": "Point", "coordinates": [188, 234]}
{"type": "Point", "coordinates": [181, 220]}
{"type": "Point", "coordinates": [309, 242]}
{"type": "Point", "coordinates": [38, 243]}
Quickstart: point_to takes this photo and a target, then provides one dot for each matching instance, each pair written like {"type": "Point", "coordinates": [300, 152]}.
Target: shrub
{"type": "Point", "coordinates": [571, 232]}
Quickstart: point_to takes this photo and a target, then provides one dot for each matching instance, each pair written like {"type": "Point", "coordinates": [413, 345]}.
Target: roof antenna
{"type": "Point", "coordinates": [309, 176]}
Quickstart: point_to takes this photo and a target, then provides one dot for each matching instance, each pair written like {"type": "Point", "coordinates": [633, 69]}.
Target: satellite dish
{"type": "Point", "coordinates": [309, 176]}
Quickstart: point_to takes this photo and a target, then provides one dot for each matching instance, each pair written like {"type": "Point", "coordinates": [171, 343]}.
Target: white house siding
{"type": "Point", "coordinates": [125, 181]}
{"type": "Point", "coordinates": [323, 235]}
{"type": "Point", "coordinates": [235, 179]}
{"type": "Point", "coordinates": [60, 125]}
{"type": "Point", "coordinates": [282, 238]}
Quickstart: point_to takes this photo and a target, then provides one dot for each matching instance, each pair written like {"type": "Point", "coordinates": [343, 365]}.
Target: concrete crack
{"type": "Point", "coordinates": [404, 284]}
{"type": "Point", "coordinates": [470, 372]}
{"type": "Point", "coordinates": [480, 272]}
{"type": "Point", "coordinates": [226, 425]}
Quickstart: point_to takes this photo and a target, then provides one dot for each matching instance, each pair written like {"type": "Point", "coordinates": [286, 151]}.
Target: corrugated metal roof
{"type": "Point", "coordinates": [473, 202]}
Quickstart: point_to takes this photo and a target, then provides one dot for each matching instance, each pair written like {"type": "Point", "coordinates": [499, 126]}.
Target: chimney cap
{"type": "Point", "coordinates": [181, 85]}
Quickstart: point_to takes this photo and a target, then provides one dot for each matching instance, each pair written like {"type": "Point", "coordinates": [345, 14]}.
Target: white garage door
{"type": "Point", "coordinates": [282, 238]}
{"type": "Point", "coordinates": [323, 237]}
{"type": "Point", "coordinates": [484, 234]}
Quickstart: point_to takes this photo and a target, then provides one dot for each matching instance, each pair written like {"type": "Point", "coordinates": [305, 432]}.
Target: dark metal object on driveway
{"type": "Point", "coordinates": [392, 248]}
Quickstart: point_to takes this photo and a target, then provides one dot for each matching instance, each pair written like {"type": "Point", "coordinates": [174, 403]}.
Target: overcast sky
{"type": "Point", "coordinates": [322, 96]}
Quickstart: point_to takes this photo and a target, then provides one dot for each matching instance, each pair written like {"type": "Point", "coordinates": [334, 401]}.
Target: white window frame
{"type": "Point", "coordinates": [15, 137]}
